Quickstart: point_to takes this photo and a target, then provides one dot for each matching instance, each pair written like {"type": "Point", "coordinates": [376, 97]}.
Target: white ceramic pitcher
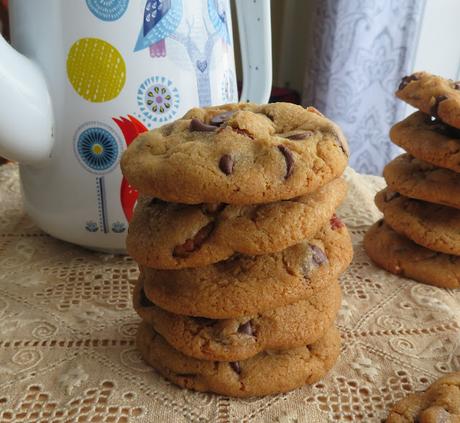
{"type": "Point", "coordinates": [95, 73]}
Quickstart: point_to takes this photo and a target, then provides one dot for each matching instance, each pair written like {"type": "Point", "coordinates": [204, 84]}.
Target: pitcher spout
{"type": "Point", "coordinates": [26, 116]}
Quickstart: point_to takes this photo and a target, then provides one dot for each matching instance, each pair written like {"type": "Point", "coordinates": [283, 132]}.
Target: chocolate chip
{"type": "Point", "coordinates": [289, 158]}
{"type": "Point", "coordinates": [435, 106]}
{"type": "Point", "coordinates": [431, 120]}
{"type": "Point", "coordinates": [203, 234]}
{"type": "Point", "coordinates": [226, 164]}
{"type": "Point", "coordinates": [457, 85]}
{"type": "Point", "coordinates": [380, 223]}
{"type": "Point", "coordinates": [144, 301]}
{"type": "Point", "coordinates": [391, 195]}
{"type": "Point", "coordinates": [318, 255]}
{"type": "Point", "coordinates": [335, 222]}
{"type": "Point", "coordinates": [193, 244]}
{"type": "Point", "coordinates": [406, 81]}
{"type": "Point", "coordinates": [235, 365]}
{"type": "Point", "coordinates": [198, 125]}
{"type": "Point", "coordinates": [246, 328]}
{"type": "Point", "coordinates": [219, 119]}
{"type": "Point", "coordinates": [300, 136]}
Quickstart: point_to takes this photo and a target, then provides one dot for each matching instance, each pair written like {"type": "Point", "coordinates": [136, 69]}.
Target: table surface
{"type": "Point", "coordinates": [67, 335]}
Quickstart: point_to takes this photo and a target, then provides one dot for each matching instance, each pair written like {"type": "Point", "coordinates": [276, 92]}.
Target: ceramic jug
{"type": "Point", "coordinates": [88, 76]}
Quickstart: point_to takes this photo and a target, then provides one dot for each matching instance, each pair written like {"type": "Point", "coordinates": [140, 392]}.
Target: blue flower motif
{"type": "Point", "coordinates": [158, 99]}
{"type": "Point", "coordinates": [91, 226]}
{"type": "Point", "coordinates": [97, 149]}
{"type": "Point", "coordinates": [118, 227]}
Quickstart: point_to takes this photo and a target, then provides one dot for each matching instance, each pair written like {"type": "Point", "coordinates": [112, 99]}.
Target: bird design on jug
{"type": "Point", "coordinates": [161, 19]}
{"type": "Point", "coordinates": [164, 19]}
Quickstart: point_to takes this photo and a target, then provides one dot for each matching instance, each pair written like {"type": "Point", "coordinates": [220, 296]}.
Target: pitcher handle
{"type": "Point", "coordinates": [25, 110]}
{"type": "Point", "coordinates": [254, 28]}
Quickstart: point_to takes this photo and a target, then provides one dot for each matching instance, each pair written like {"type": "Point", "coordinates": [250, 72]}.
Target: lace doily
{"type": "Point", "coordinates": [67, 335]}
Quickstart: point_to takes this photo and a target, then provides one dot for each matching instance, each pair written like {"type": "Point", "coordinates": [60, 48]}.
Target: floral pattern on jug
{"type": "Point", "coordinates": [158, 99]}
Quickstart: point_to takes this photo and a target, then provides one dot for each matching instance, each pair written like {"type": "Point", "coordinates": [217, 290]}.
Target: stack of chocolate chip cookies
{"type": "Point", "coordinates": [420, 234]}
{"type": "Point", "coordinates": [239, 247]}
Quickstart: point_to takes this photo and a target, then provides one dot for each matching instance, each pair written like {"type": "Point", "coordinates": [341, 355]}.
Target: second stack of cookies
{"type": "Point", "coordinates": [239, 247]}
{"type": "Point", "coordinates": [420, 234]}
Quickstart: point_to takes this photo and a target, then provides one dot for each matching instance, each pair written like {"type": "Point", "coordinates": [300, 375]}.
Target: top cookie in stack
{"type": "Point", "coordinates": [239, 246]}
{"type": "Point", "coordinates": [420, 237]}
{"type": "Point", "coordinates": [237, 154]}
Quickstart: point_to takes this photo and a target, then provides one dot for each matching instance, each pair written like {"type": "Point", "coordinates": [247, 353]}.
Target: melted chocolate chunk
{"type": "Point", "coordinates": [235, 365]}
{"type": "Point", "coordinates": [380, 223]}
{"type": "Point", "coordinates": [246, 328]}
{"type": "Point", "coordinates": [199, 126]}
{"type": "Point", "coordinates": [318, 255]}
{"type": "Point", "coordinates": [219, 119]}
{"type": "Point", "coordinates": [335, 222]}
{"type": "Point", "coordinates": [226, 164]}
{"type": "Point", "coordinates": [289, 158]}
{"type": "Point", "coordinates": [431, 120]}
{"type": "Point", "coordinates": [435, 106]}
{"type": "Point", "coordinates": [457, 85]}
{"type": "Point", "coordinates": [193, 244]}
{"type": "Point", "coordinates": [405, 81]}
{"type": "Point", "coordinates": [144, 301]}
{"type": "Point", "coordinates": [300, 136]}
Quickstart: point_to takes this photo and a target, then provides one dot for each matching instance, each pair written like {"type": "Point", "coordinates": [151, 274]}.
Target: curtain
{"type": "Point", "coordinates": [360, 51]}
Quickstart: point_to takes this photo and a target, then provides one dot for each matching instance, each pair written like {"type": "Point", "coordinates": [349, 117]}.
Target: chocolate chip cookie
{"type": "Point", "coordinates": [237, 154]}
{"type": "Point", "coordinates": [417, 179]}
{"type": "Point", "coordinates": [401, 256]}
{"type": "Point", "coordinates": [286, 327]}
{"type": "Point", "coordinates": [266, 373]}
{"type": "Point", "coordinates": [170, 235]}
{"type": "Point", "coordinates": [247, 285]}
{"type": "Point", "coordinates": [433, 95]}
{"type": "Point", "coordinates": [428, 140]}
{"type": "Point", "coordinates": [440, 403]}
{"type": "Point", "coordinates": [431, 225]}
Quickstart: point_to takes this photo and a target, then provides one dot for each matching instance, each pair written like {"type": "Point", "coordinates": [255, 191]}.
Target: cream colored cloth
{"type": "Point", "coordinates": [67, 335]}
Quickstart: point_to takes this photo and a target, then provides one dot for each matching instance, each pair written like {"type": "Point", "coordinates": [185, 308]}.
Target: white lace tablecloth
{"type": "Point", "coordinates": [67, 335]}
